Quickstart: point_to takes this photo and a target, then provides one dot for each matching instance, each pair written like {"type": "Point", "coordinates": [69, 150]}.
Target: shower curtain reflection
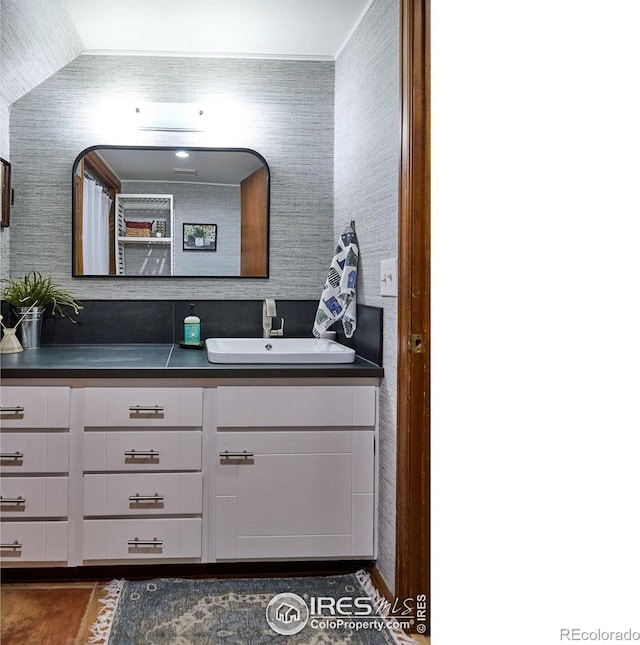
{"type": "Point", "coordinates": [95, 230]}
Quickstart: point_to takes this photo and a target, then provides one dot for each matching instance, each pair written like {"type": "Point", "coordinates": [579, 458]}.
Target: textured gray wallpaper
{"type": "Point", "coordinates": [367, 157]}
{"type": "Point", "coordinates": [282, 109]}
{"type": "Point", "coordinates": [36, 39]}
{"type": "Point", "coordinates": [5, 233]}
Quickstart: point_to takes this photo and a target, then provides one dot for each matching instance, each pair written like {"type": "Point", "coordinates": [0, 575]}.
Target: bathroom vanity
{"type": "Point", "coordinates": [150, 454]}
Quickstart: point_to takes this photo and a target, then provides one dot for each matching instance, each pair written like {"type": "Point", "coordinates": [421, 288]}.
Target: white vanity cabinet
{"type": "Point", "coordinates": [295, 472]}
{"type": "Point", "coordinates": [142, 482]}
{"type": "Point", "coordinates": [187, 471]}
{"type": "Point", "coordinates": [34, 471]}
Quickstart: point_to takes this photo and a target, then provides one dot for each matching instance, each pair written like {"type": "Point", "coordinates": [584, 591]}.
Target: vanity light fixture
{"type": "Point", "coordinates": [170, 117]}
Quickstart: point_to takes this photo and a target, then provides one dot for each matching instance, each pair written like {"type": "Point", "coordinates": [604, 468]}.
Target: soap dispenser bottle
{"type": "Point", "coordinates": [192, 328]}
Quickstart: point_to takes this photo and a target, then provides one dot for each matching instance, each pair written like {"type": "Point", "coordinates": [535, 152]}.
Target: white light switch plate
{"type": "Point", "coordinates": [389, 277]}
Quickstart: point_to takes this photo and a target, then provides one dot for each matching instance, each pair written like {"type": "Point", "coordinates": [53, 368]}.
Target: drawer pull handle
{"type": "Point", "coordinates": [141, 453]}
{"type": "Point", "coordinates": [146, 498]}
{"type": "Point", "coordinates": [154, 409]}
{"type": "Point", "coordinates": [16, 409]}
{"type": "Point", "coordinates": [11, 455]}
{"type": "Point", "coordinates": [245, 454]}
{"type": "Point", "coordinates": [138, 542]}
{"type": "Point", "coordinates": [12, 545]}
{"type": "Point", "coordinates": [13, 500]}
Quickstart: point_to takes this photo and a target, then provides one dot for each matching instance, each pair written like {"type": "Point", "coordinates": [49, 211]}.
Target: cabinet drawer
{"type": "Point", "coordinates": [142, 539]}
{"type": "Point", "coordinates": [34, 407]}
{"type": "Point", "coordinates": [34, 497]}
{"type": "Point", "coordinates": [143, 494]}
{"type": "Point", "coordinates": [34, 452]}
{"type": "Point", "coordinates": [142, 451]}
{"type": "Point", "coordinates": [143, 407]}
{"type": "Point", "coordinates": [296, 406]}
{"type": "Point", "coordinates": [34, 542]}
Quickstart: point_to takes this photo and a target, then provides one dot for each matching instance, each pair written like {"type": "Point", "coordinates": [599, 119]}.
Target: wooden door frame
{"type": "Point", "coordinates": [414, 231]}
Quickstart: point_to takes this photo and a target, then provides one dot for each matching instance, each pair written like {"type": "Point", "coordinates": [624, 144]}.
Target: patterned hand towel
{"type": "Point", "coordinates": [338, 300]}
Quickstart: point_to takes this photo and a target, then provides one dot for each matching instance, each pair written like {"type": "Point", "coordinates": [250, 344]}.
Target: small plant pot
{"type": "Point", "coordinates": [31, 326]}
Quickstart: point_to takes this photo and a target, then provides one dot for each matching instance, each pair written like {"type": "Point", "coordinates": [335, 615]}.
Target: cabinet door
{"type": "Point", "coordinates": [294, 494]}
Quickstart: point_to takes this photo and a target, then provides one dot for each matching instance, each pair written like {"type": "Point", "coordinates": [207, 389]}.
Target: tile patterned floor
{"type": "Point", "coordinates": [48, 614]}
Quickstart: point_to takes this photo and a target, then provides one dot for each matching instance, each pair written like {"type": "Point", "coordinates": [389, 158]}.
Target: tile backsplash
{"type": "Point", "coordinates": [160, 321]}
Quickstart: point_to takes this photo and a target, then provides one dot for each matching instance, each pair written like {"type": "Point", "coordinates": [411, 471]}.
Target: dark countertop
{"type": "Point", "coordinates": [158, 361]}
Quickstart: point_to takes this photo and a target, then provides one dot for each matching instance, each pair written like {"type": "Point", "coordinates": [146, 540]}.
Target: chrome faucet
{"type": "Point", "coordinates": [268, 314]}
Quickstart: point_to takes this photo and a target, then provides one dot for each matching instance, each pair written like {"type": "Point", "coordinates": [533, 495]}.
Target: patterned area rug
{"type": "Point", "coordinates": [328, 610]}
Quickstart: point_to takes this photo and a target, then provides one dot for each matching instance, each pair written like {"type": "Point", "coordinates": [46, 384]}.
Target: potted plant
{"type": "Point", "coordinates": [36, 292]}
{"type": "Point", "coordinates": [198, 234]}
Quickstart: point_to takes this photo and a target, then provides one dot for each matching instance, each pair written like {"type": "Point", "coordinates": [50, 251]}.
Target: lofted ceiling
{"type": "Point", "coordinates": [315, 29]}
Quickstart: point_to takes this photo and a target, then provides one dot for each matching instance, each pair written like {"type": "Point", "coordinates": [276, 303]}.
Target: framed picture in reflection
{"type": "Point", "coordinates": [199, 237]}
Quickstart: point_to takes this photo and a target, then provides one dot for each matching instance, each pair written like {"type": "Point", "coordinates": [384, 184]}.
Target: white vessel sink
{"type": "Point", "coordinates": [277, 350]}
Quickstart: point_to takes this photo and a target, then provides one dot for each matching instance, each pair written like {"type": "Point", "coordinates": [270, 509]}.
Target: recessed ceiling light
{"type": "Point", "coordinates": [182, 154]}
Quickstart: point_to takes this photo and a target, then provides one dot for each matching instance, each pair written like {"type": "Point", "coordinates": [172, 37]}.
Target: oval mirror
{"type": "Point", "coordinates": [168, 211]}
